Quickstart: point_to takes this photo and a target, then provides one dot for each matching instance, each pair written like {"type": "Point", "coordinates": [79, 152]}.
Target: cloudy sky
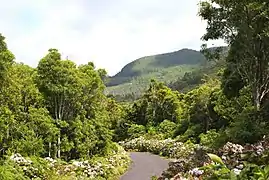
{"type": "Point", "coordinates": [110, 33]}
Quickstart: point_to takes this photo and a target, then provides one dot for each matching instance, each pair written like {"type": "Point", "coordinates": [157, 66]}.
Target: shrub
{"type": "Point", "coordinates": [212, 139]}
{"type": "Point", "coordinates": [105, 167]}
{"type": "Point", "coordinates": [234, 162]}
{"type": "Point", "coordinates": [9, 170]}
{"type": "Point", "coordinates": [168, 147]}
{"type": "Point", "coordinates": [248, 127]}
{"type": "Point", "coordinates": [151, 131]}
{"type": "Point", "coordinates": [136, 130]}
{"type": "Point", "coordinates": [167, 128]}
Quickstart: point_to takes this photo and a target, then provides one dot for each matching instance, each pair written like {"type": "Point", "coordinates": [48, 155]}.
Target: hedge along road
{"type": "Point", "coordinates": [144, 166]}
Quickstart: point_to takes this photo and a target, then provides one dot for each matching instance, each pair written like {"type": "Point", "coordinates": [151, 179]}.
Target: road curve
{"type": "Point", "coordinates": [144, 166]}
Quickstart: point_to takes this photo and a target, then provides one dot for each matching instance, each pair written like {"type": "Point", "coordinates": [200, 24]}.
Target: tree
{"type": "Point", "coordinates": [26, 126]}
{"type": "Point", "coordinates": [244, 25]}
{"type": "Point", "coordinates": [75, 99]}
{"type": "Point", "coordinates": [6, 59]}
{"type": "Point", "coordinates": [57, 81]}
{"type": "Point", "coordinates": [157, 104]}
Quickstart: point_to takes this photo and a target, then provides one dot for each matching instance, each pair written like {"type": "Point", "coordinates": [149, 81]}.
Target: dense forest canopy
{"type": "Point", "coordinates": [57, 109]}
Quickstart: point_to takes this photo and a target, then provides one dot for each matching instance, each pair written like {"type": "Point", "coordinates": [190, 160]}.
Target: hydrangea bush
{"type": "Point", "coordinates": [186, 155]}
{"type": "Point", "coordinates": [107, 167]}
{"type": "Point", "coordinates": [232, 161]}
{"type": "Point", "coordinates": [168, 147]}
{"type": "Point", "coordinates": [193, 161]}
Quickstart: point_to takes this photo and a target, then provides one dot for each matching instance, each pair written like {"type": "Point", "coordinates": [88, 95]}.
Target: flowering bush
{"type": "Point", "coordinates": [186, 164]}
{"type": "Point", "coordinates": [32, 168]}
{"type": "Point", "coordinates": [167, 147]}
{"type": "Point", "coordinates": [47, 168]}
{"type": "Point", "coordinates": [187, 155]}
{"type": "Point", "coordinates": [234, 162]}
{"type": "Point", "coordinates": [104, 167]}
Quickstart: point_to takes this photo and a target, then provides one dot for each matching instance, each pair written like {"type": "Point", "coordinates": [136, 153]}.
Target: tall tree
{"type": "Point", "coordinates": [58, 82]}
{"type": "Point", "coordinates": [6, 59]}
{"type": "Point", "coordinates": [75, 99]}
{"type": "Point", "coordinates": [244, 25]}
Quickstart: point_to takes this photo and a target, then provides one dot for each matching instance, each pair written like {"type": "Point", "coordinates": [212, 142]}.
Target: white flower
{"type": "Point", "coordinates": [236, 171]}
{"type": "Point", "coordinates": [196, 172]}
{"type": "Point", "coordinates": [241, 166]}
{"type": "Point", "coordinates": [223, 157]}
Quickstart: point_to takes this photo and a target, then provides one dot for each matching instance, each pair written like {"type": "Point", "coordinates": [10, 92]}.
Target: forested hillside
{"type": "Point", "coordinates": [211, 70]}
{"type": "Point", "coordinates": [151, 64]}
{"type": "Point", "coordinates": [180, 70]}
{"type": "Point", "coordinates": [134, 78]}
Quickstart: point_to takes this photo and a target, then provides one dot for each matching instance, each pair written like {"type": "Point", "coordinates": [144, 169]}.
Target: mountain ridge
{"type": "Point", "coordinates": [148, 56]}
{"type": "Point", "coordinates": [153, 63]}
{"type": "Point", "coordinates": [170, 67]}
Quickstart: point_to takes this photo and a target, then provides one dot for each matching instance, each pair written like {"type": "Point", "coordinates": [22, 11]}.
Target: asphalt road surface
{"type": "Point", "coordinates": [144, 166]}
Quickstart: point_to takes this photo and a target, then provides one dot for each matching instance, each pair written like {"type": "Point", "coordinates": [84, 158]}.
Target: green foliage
{"type": "Point", "coordinates": [73, 96]}
{"type": "Point", "coordinates": [248, 127]}
{"type": "Point", "coordinates": [60, 110]}
{"type": "Point", "coordinates": [193, 79]}
{"type": "Point", "coordinates": [197, 114]}
{"type": "Point", "coordinates": [253, 171]}
{"type": "Point", "coordinates": [167, 128]}
{"type": "Point", "coordinates": [232, 82]}
{"type": "Point", "coordinates": [6, 59]}
{"type": "Point", "coordinates": [210, 139]}
{"type": "Point", "coordinates": [134, 78]}
{"type": "Point", "coordinates": [178, 74]}
{"type": "Point", "coordinates": [136, 131]}
{"type": "Point", "coordinates": [149, 64]}
{"type": "Point", "coordinates": [55, 110]}
{"type": "Point", "coordinates": [158, 104]}
{"type": "Point", "coordinates": [8, 172]}
{"type": "Point", "coordinates": [138, 84]}
{"type": "Point", "coordinates": [248, 41]}
{"type": "Point", "coordinates": [215, 158]}
{"type": "Point", "coordinates": [218, 172]}
{"type": "Point", "coordinates": [163, 103]}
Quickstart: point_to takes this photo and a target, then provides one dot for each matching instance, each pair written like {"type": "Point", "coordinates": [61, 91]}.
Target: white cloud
{"type": "Point", "coordinates": [109, 33]}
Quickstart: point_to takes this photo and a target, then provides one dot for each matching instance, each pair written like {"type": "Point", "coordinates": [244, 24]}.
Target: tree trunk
{"type": "Point", "coordinates": [257, 101]}
{"type": "Point", "coordinates": [59, 146]}
{"type": "Point", "coordinates": [49, 149]}
{"type": "Point", "coordinates": [153, 113]}
{"type": "Point", "coordinates": [55, 150]}
{"type": "Point", "coordinates": [7, 133]}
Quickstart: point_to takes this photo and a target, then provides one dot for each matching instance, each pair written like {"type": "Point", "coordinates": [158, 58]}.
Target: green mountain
{"type": "Point", "coordinates": [168, 67]}
{"type": "Point", "coordinates": [181, 70]}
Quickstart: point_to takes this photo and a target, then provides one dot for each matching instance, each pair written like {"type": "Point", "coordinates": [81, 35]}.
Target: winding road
{"type": "Point", "coordinates": [144, 166]}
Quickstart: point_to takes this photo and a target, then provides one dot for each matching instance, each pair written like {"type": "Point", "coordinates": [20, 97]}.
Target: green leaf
{"type": "Point", "coordinates": [215, 158]}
